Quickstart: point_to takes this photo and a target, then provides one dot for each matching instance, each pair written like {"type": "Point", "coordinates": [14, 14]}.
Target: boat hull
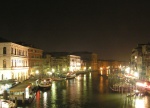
{"type": "Point", "coordinates": [45, 83]}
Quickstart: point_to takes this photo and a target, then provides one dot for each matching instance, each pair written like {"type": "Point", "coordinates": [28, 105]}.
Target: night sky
{"type": "Point", "coordinates": [111, 28]}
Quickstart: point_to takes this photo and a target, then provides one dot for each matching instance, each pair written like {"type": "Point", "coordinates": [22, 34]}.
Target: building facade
{"type": "Point", "coordinates": [13, 61]}
{"type": "Point", "coordinates": [107, 67]}
{"type": "Point", "coordinates": [35, 57]}
{"type": "Point", "coordinates": [74, 63]}
{"type": "Point", "coordinates": [140, 61]}
{"type": "Point", "coordinates": [89, 59]}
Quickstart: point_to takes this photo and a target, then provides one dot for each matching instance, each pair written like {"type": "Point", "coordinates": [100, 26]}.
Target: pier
{"type": "Point", "coordinates": [23, 92]}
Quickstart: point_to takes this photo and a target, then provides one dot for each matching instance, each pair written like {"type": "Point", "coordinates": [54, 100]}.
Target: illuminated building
{"type": "Point", "coordinates": [89, 60]}
{"type": "Point", "coordinates": [35, 61]}
{"type": "Point", "coordinates": [64, 62]}
{"type": "Point", "coordinates": [74, 63]}
{"type": "Point", "coordinates": [107, 67]}
{"type": "Point", "coordinates": [140, 60]}
{"type": "Point", "coordinates": [13, 61]}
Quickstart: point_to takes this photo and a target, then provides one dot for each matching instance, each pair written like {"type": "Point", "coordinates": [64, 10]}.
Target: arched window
{"type": "Point", "coordinates": [11, 50]}
{"type": "Point", "coordinates": [15, 52]}
{"type": "Point", "coordinates": [4, 63]}
{"type": "Point", "coordinates": [4, 50]}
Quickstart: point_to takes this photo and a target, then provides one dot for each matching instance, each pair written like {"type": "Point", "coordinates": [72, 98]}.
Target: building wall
{"type": "Point", "coordinates": [94, 61]}
{"type": "Point", "coordinates": [110, 66]}
{"type": "Point", "coordinates": [14, 63]}
{"type": "Point", "coordinates": [59, 64]}
{"type": "Point", "coordinates": [35, 61]}
{"type": "Point", "coordinates": [140, 60]}
{"type": "Point", "coordinates": [74, 63]}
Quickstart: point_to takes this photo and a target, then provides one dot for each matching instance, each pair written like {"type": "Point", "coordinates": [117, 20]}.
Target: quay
{"type": "Point", "coordinates": [23, 92]}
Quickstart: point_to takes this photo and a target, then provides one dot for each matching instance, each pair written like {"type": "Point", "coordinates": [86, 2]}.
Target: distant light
{"type": "Point", "coordinates": [37, 72]}
{"type": "Point", "coordinates": [127, 69]}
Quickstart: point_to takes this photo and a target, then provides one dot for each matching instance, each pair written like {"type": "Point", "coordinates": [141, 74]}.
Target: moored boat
{"type": "Point", "coordinates": [45, 83]}
{"type": "Point", "coordinates": [70, 75]}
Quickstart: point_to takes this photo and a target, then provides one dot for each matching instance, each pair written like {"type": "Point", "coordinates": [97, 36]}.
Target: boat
{"type": "Point", "coordinates": [45, 83]}
{"type": "Point", "coordinates": [7, 104]}
{"type": "Point", "coordinates": [70, 75]}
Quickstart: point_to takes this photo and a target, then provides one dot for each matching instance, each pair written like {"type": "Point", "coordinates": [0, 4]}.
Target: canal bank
{"type": "Point", "coordinates": [23, 92]}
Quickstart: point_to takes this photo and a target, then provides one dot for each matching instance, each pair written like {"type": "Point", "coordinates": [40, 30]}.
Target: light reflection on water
{"type": "Point", "coordinates": [85, 91]}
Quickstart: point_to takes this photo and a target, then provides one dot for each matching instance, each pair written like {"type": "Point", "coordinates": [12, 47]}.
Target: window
{"type": "Point", "coordinates": [4, 63]}
{"type": "Point", "coordinates": [12, 63]}
{"type": "Point", "coordinates": [11, 50]}
{"type": "Point", "coordinates": [4, 50]}
{"type": "Point", "coordinates": [15, 51]}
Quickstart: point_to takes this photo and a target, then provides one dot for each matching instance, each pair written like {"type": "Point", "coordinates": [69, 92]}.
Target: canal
{"type": "Point", "coordinates": [85, 91]}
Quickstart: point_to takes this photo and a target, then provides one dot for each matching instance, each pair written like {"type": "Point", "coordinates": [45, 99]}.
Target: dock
{"type": "Point", "coordinates": [23, 92]}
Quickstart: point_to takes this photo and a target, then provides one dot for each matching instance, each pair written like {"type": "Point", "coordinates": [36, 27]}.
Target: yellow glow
{"type": "Point", "coordinates": [53, 70]}
{"type": "Point", "coordinates": [78, 77]}
{"type": "Point", "coordinates": [89, 67]}
{"type": "Point", "coordinates": [37, 71]}
{"type": "Point", "coordinates": [84, 68]}
{"type": "Point", "coordinates": [64, 69]}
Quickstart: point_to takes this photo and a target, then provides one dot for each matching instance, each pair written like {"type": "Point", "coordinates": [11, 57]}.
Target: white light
{"type": "Point", "coordinates": [136, 74]}
{"type": "Point", "coordinates": [37, 72]}
{"type": "Point", "coordinates": [127, 69]}
{"type": "Point", "coordinates": [53, 70]}
{"type": "Point", "coordinates": [50, 73]}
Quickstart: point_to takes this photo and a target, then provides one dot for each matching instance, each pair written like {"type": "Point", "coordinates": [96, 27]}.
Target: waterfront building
{"type": "Point", "coordinates": [74, 63]}
{"type": "Point", "coordinates": [47, 60]}
{"type": "Point", "coordinates": [35, 61]}
{"type": "Point", "coordinates": [64, 61]}
{"type": "Point", "coordinates": [107, 67]}
{"type": "Point", "coordinates": [140, 61]}
{"type": "Point", "coordinates": [13, 61]}
{"type": "Point", "coordinates": [89, 60]}
{"type": "Point", "coordinates": [59, 64]}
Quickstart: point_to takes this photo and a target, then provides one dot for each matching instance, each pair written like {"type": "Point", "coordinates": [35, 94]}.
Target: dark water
{"type": "Point", "coordinates": [85, 91]}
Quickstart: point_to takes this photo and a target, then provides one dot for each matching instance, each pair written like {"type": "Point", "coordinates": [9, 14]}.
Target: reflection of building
{"type": "Point", "coordinates": [140, 60]}
{"type": "Point", "coordinates": [110, 66]}
{"type": "Point", "coordinates": [13, 61]}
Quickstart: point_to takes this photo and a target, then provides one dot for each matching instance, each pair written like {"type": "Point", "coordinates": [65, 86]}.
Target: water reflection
{"type": "Point", "coordinates": [86, 91]}
{"type": "Point", "coordinates": [45, 99]}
